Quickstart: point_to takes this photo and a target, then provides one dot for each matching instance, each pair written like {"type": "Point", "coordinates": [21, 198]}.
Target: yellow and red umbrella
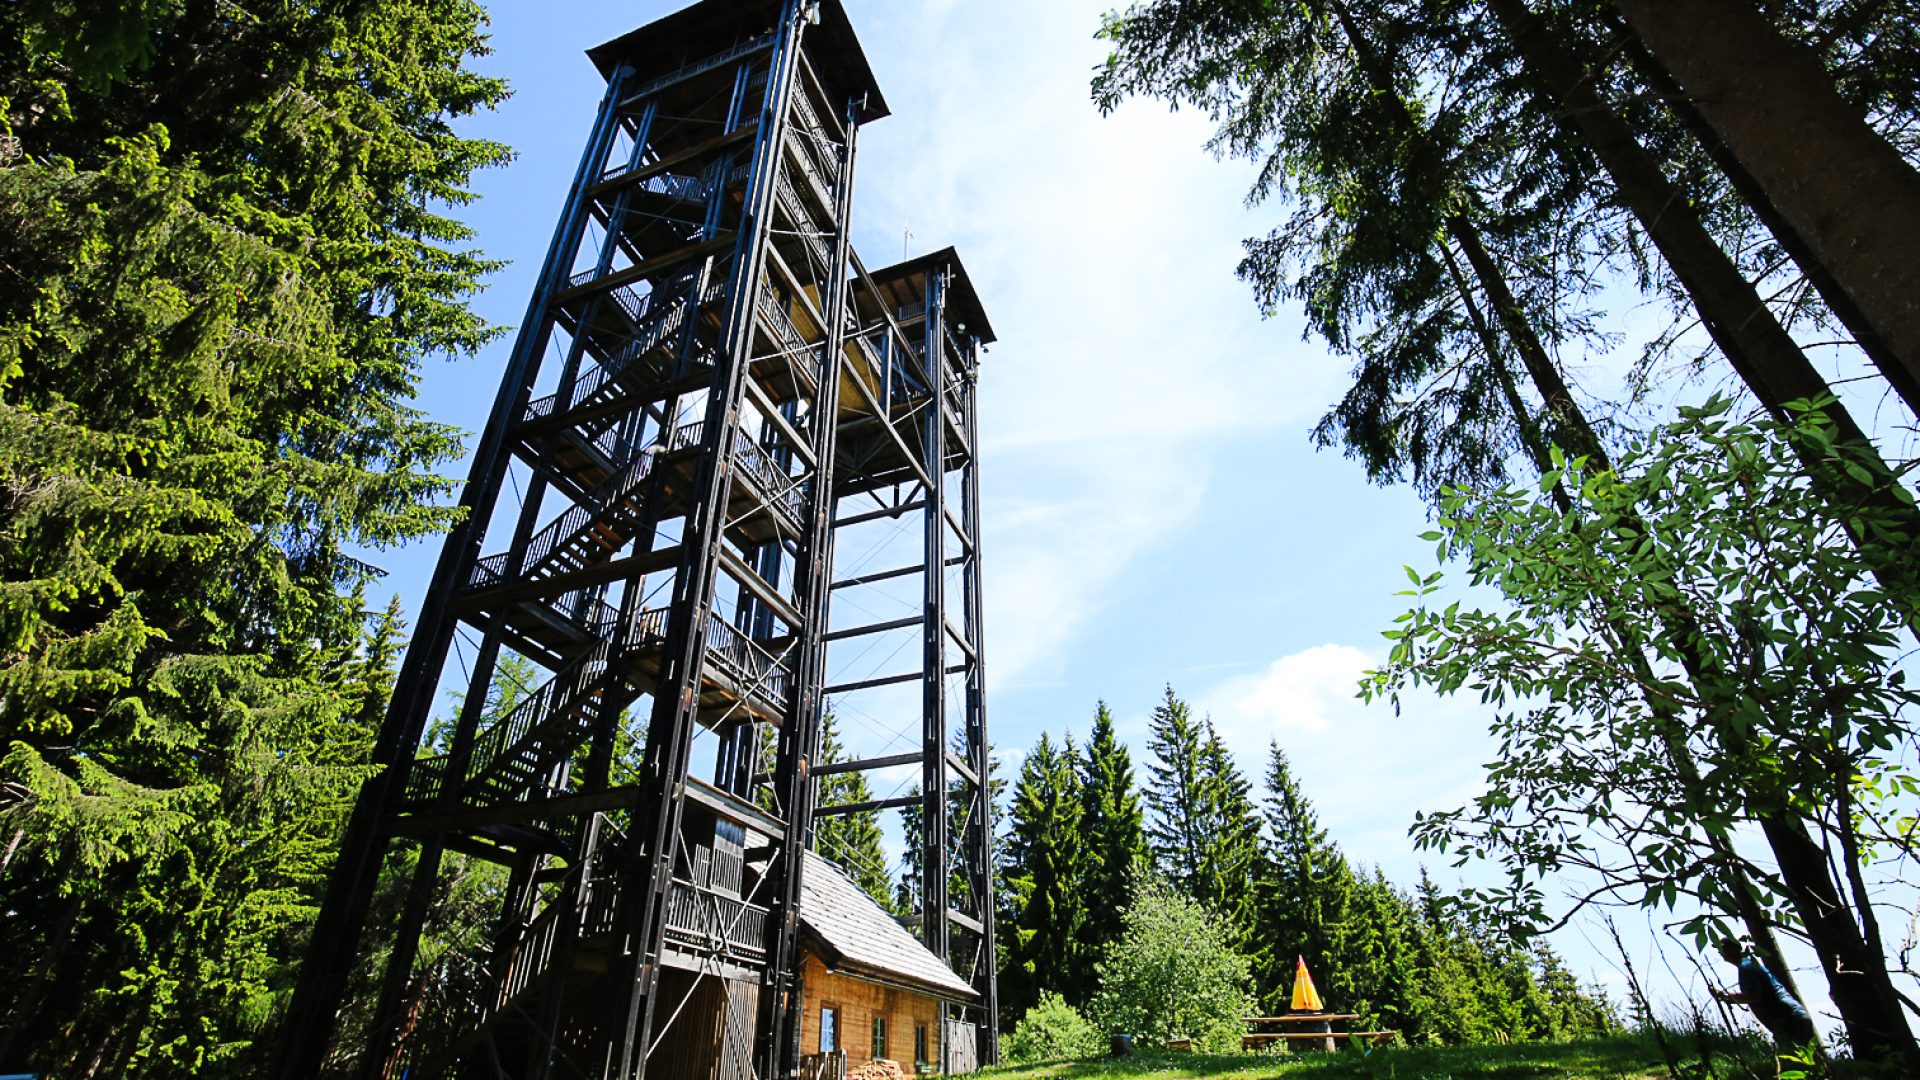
{"type": "Point", "coordinates": [1305, 997]}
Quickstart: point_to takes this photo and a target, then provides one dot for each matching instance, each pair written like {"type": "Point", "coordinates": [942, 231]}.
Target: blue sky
{"type": "Point", "coordinates": [1154, 511]}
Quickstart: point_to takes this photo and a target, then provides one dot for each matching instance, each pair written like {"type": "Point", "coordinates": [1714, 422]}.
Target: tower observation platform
{"type": "Point", "coordinates": [594, 872]}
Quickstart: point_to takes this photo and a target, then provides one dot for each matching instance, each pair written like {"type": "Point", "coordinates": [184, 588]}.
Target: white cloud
{"type": "Point", "coordinates": [1367, 770]}
{"type": "Point", "coordinates": [1296, 693]}
{"type": "Point", "coordinates": [1103, 248]}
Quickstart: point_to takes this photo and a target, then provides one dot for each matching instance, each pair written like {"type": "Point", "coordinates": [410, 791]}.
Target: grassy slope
{"type": "Point", "coordinates": [1596, 1059]}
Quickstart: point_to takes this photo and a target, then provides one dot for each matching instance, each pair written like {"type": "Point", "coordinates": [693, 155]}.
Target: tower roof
{"type": "Point", "coordinates": [710, 26]}
{"type": "Point", "coordinates": [906, 285]}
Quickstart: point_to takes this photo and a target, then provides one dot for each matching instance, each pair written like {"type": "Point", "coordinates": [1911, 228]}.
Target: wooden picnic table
{"type": "Point", "coordinates": [1321, 1029]}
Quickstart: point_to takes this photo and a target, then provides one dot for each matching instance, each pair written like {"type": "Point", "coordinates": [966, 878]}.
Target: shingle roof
{"type": "Point", "coordinates": [862, 939]}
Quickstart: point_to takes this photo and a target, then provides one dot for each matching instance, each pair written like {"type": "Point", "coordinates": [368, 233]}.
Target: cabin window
{"type": "Point", "coordinates": [919, 1044]}
{"type": "Point", "coordinates": [829, 1029]}
{"type": "Point", "coordinates": [879, 1038]}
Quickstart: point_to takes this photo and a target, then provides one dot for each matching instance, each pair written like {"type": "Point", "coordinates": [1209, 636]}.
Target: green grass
{"type": "Point", "coordinates": [1623, 1058]}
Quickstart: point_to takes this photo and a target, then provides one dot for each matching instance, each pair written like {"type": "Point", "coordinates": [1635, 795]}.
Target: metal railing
{"type": "Point", "coordinates": [820, 185]}
{"type": "Point", "coordinates": [784, 494]}
{"type": "Point", "coordinates": [708, 63]}
{"type": "Point", "coordinates": [530, 957]}
{"type": "Point", "coordinates": [816, 133]}
{"type": "Point", "coordinates": [782, 324]}
{"type": "Point", "coordinates": [753, 668]}
{"type": "Point", "coordinates": [805, 224]}
{"type": "Point", "coordinates": [530, 739]}
{"type": "Point", "coordinates": [651, 332]}
{"type": "Point", "coordinates": [465, 995]}
{"type": "Point", "coordinates": [545, 547]}
{"type": "Point", "coordinates": [521, 737]}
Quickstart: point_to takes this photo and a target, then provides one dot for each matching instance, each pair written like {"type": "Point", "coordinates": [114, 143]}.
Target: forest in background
{"type": "Point", "coordinates": [1083, 840]}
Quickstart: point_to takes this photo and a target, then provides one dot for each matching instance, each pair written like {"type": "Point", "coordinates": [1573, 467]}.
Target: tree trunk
{"type": "Point", "coordinates": [1553, 387]}
{"type": "Point", "coordinates": [1857, 978]}
{"type": "Point", "coordinates": [26, 1010]}
{"type": "Point", "coordinates": [1865, 334]}
{"type": "Point", "coordinates": [13, 845]}
{"type": "Point", "coordinates": [1772, 363]}
{"type": "Point", "coordinates": [1844, 191]}
{"type": "Point", "coordinates": [1761, 351]}
{"type": "Point", "coordinates": [1530, 437]}
{"type": "Point", "coordinates": [1568, 420]}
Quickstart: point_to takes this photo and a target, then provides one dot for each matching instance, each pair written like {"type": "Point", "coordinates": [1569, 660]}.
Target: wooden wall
{"type": "Point", "coordinates": [859, 1002]}
{"type": "Point", "coordinates": [712, 1038]}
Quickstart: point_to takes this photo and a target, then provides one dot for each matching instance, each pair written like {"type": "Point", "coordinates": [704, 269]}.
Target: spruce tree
{"type": "Point", "coordinates": [1375, 963]}
{"type": "Point", "coordinates": [850, 841]}
{"type": "Point", "coordinates": [1045, 866]}
{"type": "Point", "coordinates": [1115, 831]}
{"type": "Point", "coordinates": [1203, 828]}
{"type": "Point", "coordinates": [226, 251]}
{"type": "Point", "coordinates": [1230, 852]}
{"type": "Point", "coordinates": [1175, 795]}
{"type": "Point", "coordinates": [1305, 889]}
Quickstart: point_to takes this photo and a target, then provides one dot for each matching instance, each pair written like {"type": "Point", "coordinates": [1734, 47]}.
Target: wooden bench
{"type": "Point", "coordinates": [1321, 1030]}
{"type": "Point", "coordinates": [1261, 1038]}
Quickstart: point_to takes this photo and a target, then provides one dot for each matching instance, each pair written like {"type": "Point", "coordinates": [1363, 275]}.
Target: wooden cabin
{"type": "Point", "coordinates": [868, 986]}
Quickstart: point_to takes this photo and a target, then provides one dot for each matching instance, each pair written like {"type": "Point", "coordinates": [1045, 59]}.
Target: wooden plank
{"type": "Point", "coordinates": [1298, 1018]}
{"type": "Point", "coordinates": [965, 922]}
{"type": "Point", "coordinates": [858, 1000]}
{"type": "Point", "coordinates": [465, 820]}
{"type": "Point", "coordinates": [771, 414]}
{"type": "Point", "coordinates": [883, 512]}
{"type": "Point", "coordinates": [959, 529]}
{"type": "Point", "coordinates": [958, 764]}
{"type": "Point", "coordinates": [869, 763]}
{"type": "Point", "coordinates": [888, 575]}
{"type": "Point", "coordinates": [888, 680]}
{"type": "Point", "coordinates": [733, 808]}
{"type": "Point", "coordinates": [1265, 1036]}
{"type": "Point", "coordinates": [864, 807]}
{"type": "Point", "coordinates": [669, 163]}
{"type": "Point", "coordinates": [879, 410]}
{"type": "Point", "coordinates": [958, 638]}
{"type": "Point", "coordinates": [868, 684]}
{"type": "Point", "coordinates": [872, 628]}
{"type": "Point", "coordinates": [884, 575]}
{"type": "Point", "coordinates": [758, 586]}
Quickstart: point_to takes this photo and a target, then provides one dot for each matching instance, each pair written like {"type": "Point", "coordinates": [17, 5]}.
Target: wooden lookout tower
{"type": "Point", "coordinates": [708, 390]}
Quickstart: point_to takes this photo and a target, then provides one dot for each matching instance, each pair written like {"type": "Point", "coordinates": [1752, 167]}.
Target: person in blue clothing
{"type": "Point", "coordinates": [1777, 1010]}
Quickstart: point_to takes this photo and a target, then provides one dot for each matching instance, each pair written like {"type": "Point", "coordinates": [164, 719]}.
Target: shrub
{"type": "Point", "coordinates": [1051, 1030]}
{"type": "Point", "coordinates": [1172, 974]}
